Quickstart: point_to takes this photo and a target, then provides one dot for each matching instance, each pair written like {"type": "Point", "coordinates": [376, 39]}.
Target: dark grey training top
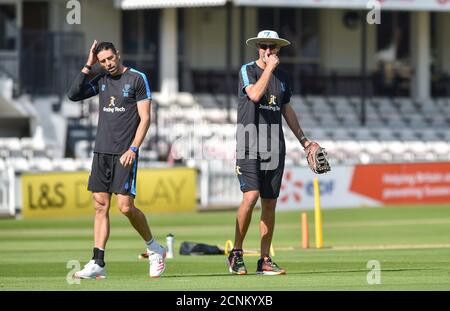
{"type": "Point", "coordinates": [265, 115]}
{"type": "Point", "coordinates": [118, 117]}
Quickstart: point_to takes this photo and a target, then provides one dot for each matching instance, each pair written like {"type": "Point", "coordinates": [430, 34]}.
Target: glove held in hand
{"type": "Point", "coordinates": [317, 158]}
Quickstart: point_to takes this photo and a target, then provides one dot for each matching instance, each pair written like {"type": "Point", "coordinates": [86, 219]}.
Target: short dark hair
{"type": "Point", "coordinates": [102, 46]}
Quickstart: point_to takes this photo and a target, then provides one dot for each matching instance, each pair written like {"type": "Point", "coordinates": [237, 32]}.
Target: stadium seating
{"type": "Point", "coordinates": [195, 127]}
{"type": "Point", "coordinates": [397, 129]}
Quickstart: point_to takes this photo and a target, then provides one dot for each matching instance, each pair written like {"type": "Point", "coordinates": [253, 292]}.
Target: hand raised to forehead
{"type": "Point", "coordinates": [92, 58]}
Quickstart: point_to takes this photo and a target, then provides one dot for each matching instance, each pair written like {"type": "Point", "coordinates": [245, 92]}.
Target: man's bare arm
{"type": "Point", "coordinates": [145, 114]}
{"type": "Point", "coordinates": [292, 121]}
{"type": "Point", "coordinates": [143, 107]}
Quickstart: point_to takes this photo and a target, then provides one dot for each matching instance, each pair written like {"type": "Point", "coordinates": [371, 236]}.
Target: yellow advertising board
{"type": "Point", "coordinates": [65, 193]}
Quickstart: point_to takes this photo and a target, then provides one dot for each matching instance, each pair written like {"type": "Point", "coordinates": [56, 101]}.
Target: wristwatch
{"type": "Point", "coordinates": [88, 67]}
{"type": "Point", "coordinates": [134, 149]}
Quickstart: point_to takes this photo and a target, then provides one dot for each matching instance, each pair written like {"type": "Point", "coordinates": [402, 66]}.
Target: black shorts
{"type": "Point", "coordinates": [109, 175]}
{"type": "Point", "coordinates": [253, 175]}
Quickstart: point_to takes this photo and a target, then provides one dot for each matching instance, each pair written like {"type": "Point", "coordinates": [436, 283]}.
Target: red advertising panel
{"type": "Point", "coordinates": [403, 183]}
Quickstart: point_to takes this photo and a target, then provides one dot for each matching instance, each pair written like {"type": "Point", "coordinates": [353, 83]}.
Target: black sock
{"type": "Point", "coordinates": [100, 260]}
{"type": "Point", "coordinates": [99, 256]}
{"type": "Point", "coordinates": [95, 253]}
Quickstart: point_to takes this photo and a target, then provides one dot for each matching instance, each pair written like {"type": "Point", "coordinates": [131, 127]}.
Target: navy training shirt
{"type": "Point", "coordinates": [118, 117]}
{"type": "Point", "coordinates": [264, 114]}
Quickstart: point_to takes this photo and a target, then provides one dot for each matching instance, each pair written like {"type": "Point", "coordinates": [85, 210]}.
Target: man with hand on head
{"type": "Point", "coordinates": [124, 119]}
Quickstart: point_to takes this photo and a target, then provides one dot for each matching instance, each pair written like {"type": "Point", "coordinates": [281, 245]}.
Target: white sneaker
{"type": "Point", "coordinates": [156, 260]}
{"type": "Point", "coordinates": [91, 271]}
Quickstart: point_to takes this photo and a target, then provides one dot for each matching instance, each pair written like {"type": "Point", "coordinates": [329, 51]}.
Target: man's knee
{"type": "Point", "coordinates": [126, 208]}
{"type": "Point", "coordinates": [251, 197]}
{"type": "Point", "coordinates": [101, 205]}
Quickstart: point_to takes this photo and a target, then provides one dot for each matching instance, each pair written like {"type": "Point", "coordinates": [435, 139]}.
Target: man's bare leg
{"type": "Point", "coordinates": [135, 216]}
{"type": "Point", "coordinates": [267, 224]}
{"type": "Point", "coordinates": [244, 216]}
{"type": "Point", "coordinates": [101, 222]}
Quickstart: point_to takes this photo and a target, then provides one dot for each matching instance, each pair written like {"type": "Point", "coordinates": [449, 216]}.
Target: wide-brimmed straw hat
{"type": "Point", "coordinates": [268, 36]}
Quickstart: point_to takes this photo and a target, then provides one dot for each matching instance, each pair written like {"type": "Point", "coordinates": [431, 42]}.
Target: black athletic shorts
{"type": "Point", "coordinates": [109, 175]}
{"type": "Point", "coordinates": [254, 175]}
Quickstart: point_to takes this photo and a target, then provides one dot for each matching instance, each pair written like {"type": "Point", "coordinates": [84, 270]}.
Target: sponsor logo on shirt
{"type": "Point", "coordinates": [273, 106]}
{"type": "Point", "coordinates": [112, 100]}
{"type": "Point", "coordinates": [112, 106]}
{"type": "Point", "coordinates": [272, 100]}
{"type": "Point", "coordinates": [103, 87]}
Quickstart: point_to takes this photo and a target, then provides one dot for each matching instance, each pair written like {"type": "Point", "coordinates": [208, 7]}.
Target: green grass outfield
{"type": "Point", "coordinates": [412, 245]}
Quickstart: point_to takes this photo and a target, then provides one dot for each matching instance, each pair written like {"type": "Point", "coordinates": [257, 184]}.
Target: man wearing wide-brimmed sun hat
{"type": "Point", "coordinates": [264, 96]}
